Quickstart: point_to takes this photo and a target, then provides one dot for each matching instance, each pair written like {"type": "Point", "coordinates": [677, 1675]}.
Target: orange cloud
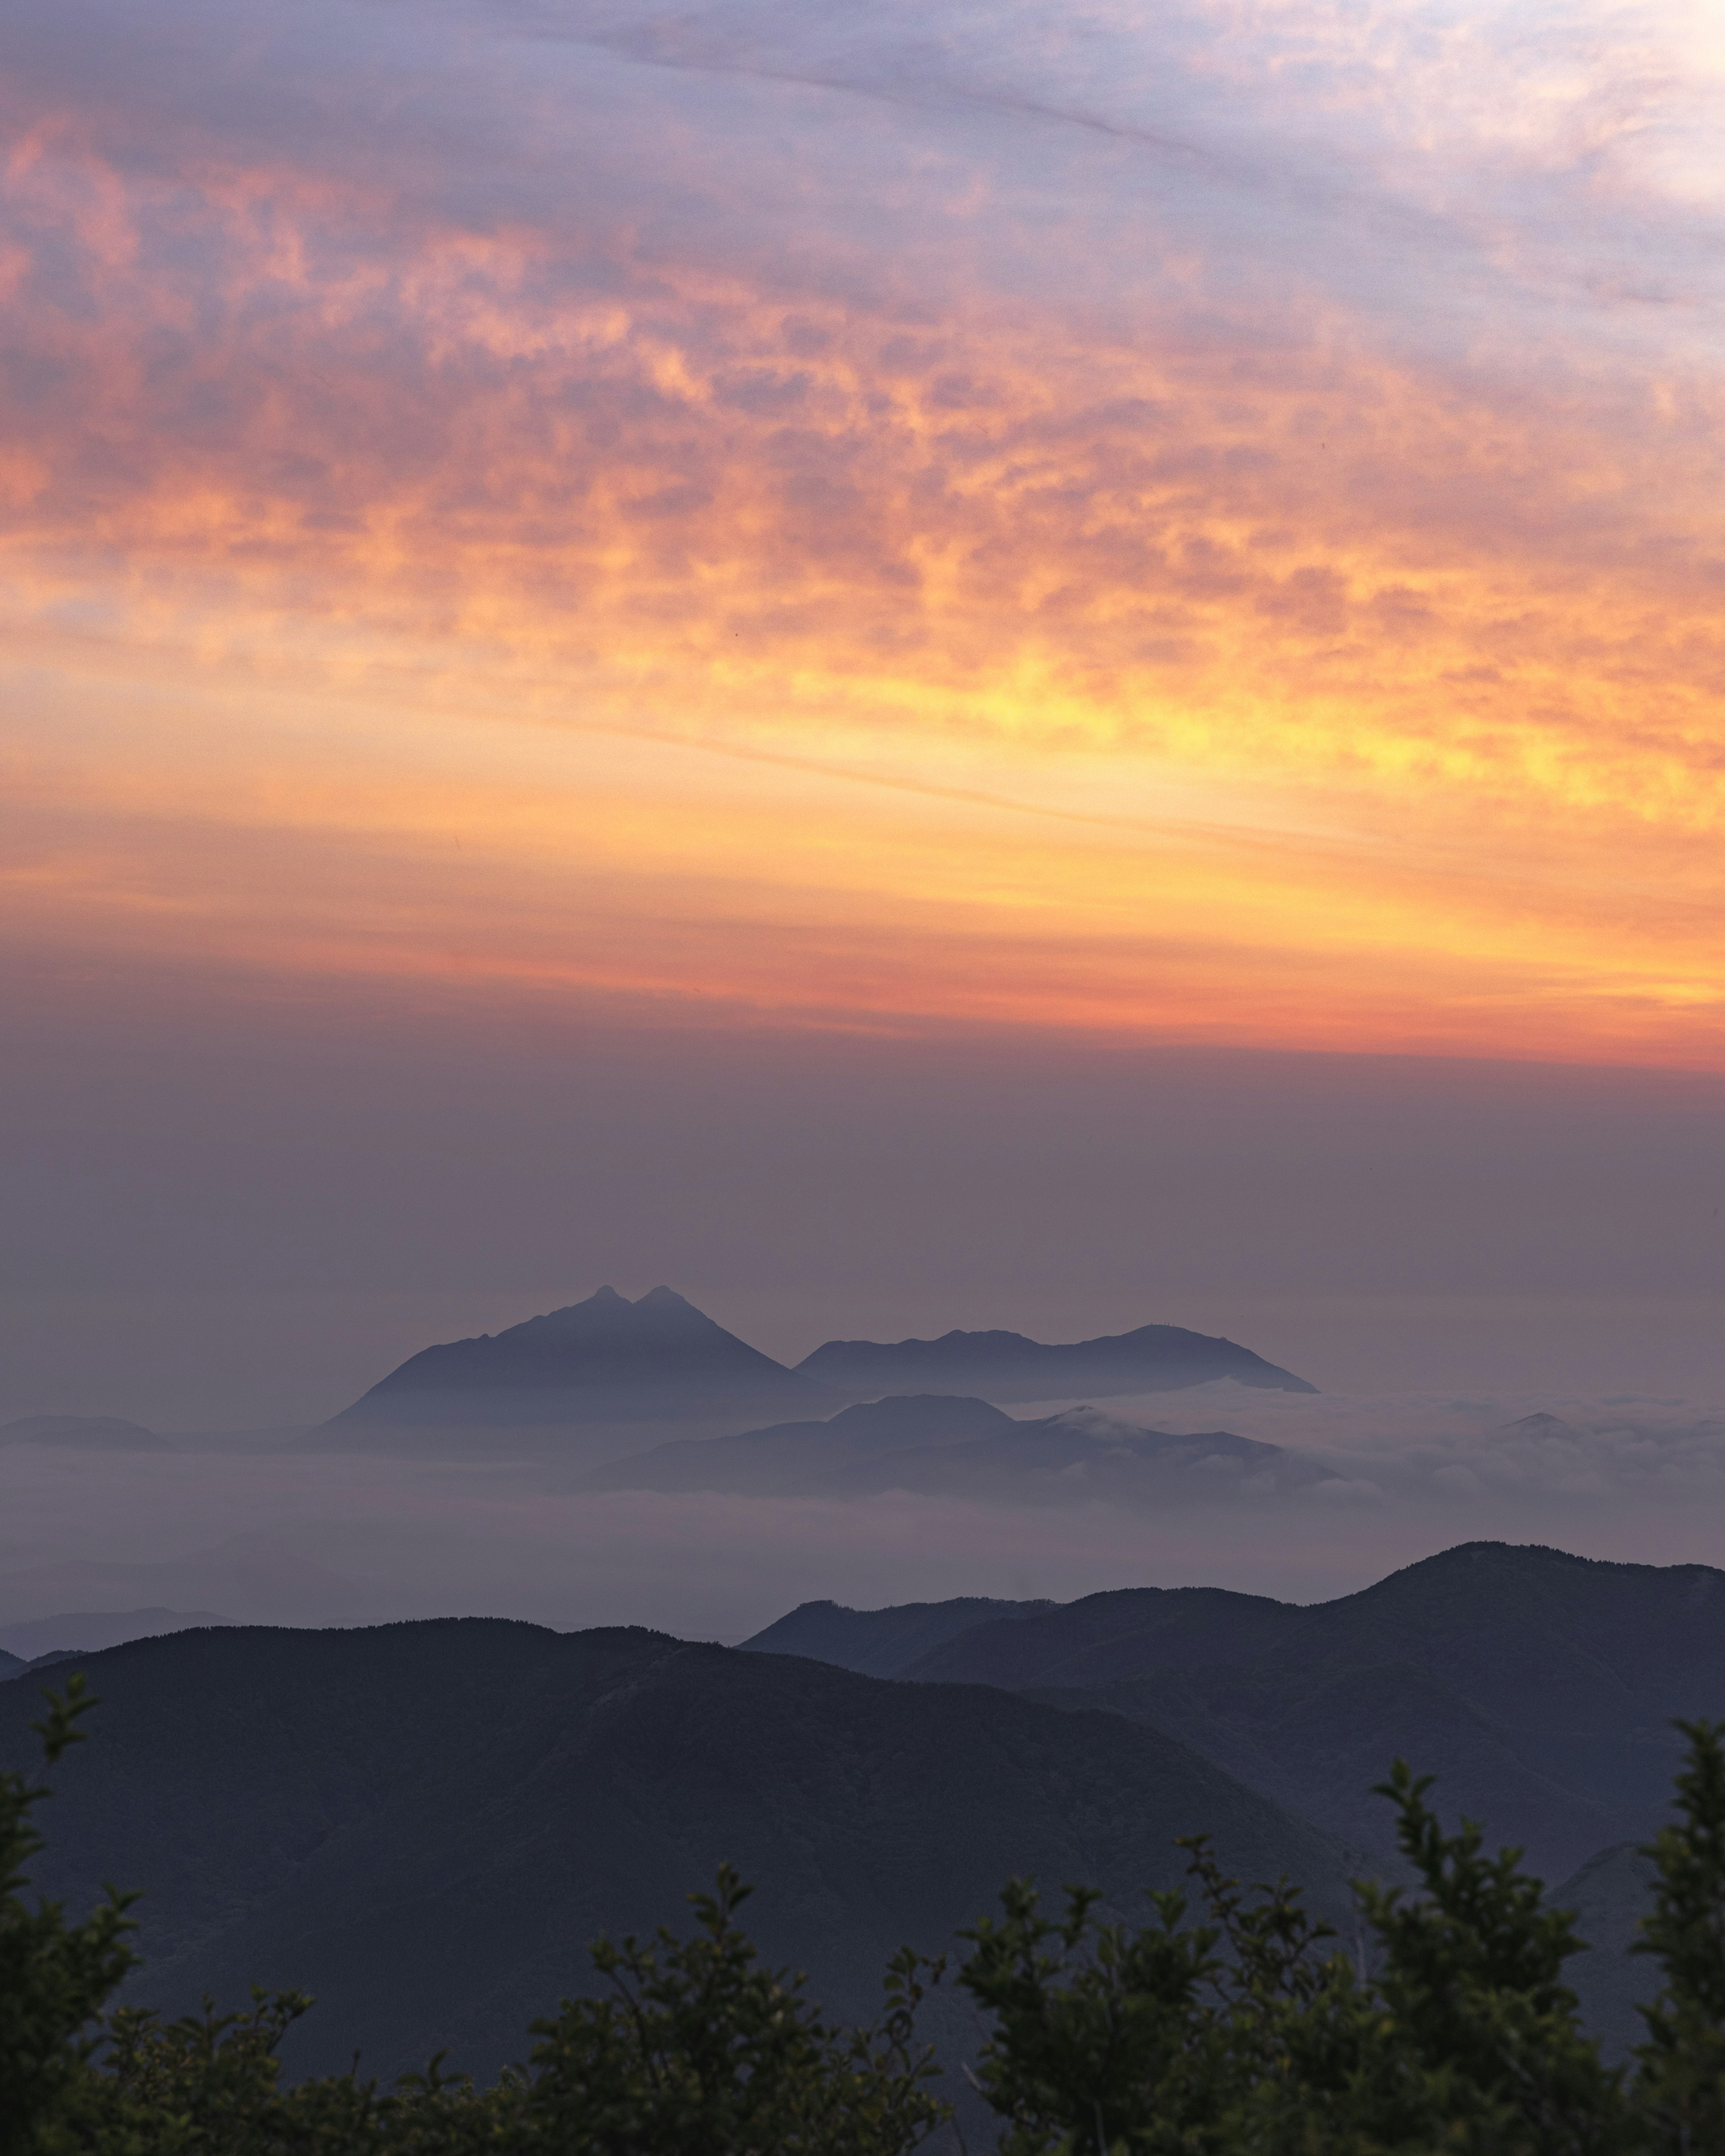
{"type": "Point", "coordinates": [520, 602]}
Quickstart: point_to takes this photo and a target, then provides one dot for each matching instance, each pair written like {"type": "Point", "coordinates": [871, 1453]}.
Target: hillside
{"type": "Point", "coordinates": [878, 1643]}
{"type": "Point", "coordinates": [799, 1459]}
{"type": "Point", "coordinates": [1541, 1686]}
{"type": "Point", "coordinates": [937, 1445]}
{"type": "Point", "coordinates": [1007, 1366]}
{"type": "Point", "coordinates": [606, 1360]}
{"type": "Point", "coordinates": [423, 1824]}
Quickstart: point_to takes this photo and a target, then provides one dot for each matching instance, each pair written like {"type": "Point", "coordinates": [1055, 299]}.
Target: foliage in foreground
{"type": "Point", "coordinates": [1245, 2033]}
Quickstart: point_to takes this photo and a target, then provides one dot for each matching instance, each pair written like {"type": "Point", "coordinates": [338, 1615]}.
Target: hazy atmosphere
{"type": "Point", "coordinates": [861, 1012]}
{"type": "Point", "coordinates": [1022, 667]}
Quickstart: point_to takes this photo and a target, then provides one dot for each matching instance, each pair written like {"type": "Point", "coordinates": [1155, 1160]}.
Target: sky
{"type": "Point", "coordinates": [1046, 665]}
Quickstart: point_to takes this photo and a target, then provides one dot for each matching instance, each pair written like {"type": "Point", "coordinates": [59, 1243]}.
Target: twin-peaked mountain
{"type": "Point", "coordinates": [660, 1358]}
{"type": "Point", "coordinates": [603, 1360]}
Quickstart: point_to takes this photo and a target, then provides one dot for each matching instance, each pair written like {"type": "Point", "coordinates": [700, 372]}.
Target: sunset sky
{"type": "Point", "coordinates": [912, 664]}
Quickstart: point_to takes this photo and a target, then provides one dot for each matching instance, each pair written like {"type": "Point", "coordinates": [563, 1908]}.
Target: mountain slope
{"type": "Point", "coordinates": [1541, 1686]}
{"type": "Point", "coordinates": [424, 1823]}
{"type": "Point", "coordinates": [1318, 1738]}
{"type": "Point", "coordinates": [606, 1359]}
{"type": "Point", "coordinates": [799, 1459]}
{"type": "Point", "coordinates": [1610, 1894]}
{"type": "Point", "coordinates": [878, 1643]}
{"type": "Point", "coordinates": [945, 1446]}
{"type": "Point", "coordinates": [1007, 1366]}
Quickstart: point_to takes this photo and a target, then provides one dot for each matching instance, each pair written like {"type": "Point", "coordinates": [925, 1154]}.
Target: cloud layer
{"type": "Point", "coordinates": [1204, 524]}
{"type": "Point", "coordinates": [322, 1539]}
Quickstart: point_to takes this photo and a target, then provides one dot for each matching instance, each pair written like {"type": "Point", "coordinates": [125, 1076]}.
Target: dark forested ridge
{"type": "Point", "coordinates": [1539, 1687]}
{"type": "Point", "coordinates": [424, 1823]}
{"type": "Point", "coordinates": [880, 1643]}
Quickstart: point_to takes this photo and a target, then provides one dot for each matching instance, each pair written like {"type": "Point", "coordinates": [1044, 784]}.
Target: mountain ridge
{"type": "Point", "coordinates": [942, 1445]}
{"type": "Point", "coordinates": [423, 1824]}
{"type": "Point", "coordinates": [607, 1359]}
{"type": "Point", "coordinates": [1540, 1686]}
{"type": "Point", "coordinates": [1001, 1365]}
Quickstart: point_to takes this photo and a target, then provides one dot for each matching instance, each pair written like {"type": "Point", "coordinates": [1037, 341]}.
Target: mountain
{"type": "Point", "coordinates": [800, 1459]}
{"type": "Point", "coordinates": [12, 1665]}
{"type": "Point", "coordinates": [940, 1445]}
{"type": "Point", "coordinates": [1006, 1366]}
{"type": "Point", "coordinates": [84, 1433]}
{"type": "Point", "coordinates": [1540, 1688]}
{"type": "Point", "coordinates": [876, 1643]}
{"type": "Point", "coordinates": [424, 1823]}
{"type": "Point", "coordinates": [605, 1360]}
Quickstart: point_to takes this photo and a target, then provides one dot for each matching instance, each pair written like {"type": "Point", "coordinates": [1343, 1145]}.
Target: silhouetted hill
{"type": "Point", "coordinates": [795, 1459]}
{"type": "Point", "coordinates": [424, 1823]}
{"type": "Point", "coordinates": [603, 1360]}
{"type": "Point", "coordinates": [1006, 1366]}
{"type": "Point", "coordinates": [941, 1445]}
{"type": "Point", "coordinates": [11, 1666]}
{"type": "Point", "coordinates": [878, 1643]}
{"type": "Point", "coordinates": [1540, 1686]}
{"type": "Point", "coordinates": [83, 1433]}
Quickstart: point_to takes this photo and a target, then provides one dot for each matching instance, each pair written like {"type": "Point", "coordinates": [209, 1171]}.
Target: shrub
{"type": "Point", "coordinates": [1245, 2033]}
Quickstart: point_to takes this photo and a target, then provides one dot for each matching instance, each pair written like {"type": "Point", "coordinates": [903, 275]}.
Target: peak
{"type": "Point", "coordinates": [664, 1298]}
{"type": "Point", "coordinates": [606, 1294]}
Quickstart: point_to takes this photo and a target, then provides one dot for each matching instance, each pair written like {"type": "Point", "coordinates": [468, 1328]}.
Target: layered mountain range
{"type": "Point", "coordinates": [423, 1824]}
{"type": "Point", "coordinates": [660, 1359]}
{"type": "Point", "coordinates": [1540, 1688]}
{"type": "Point", "coordinates": [934, 1445]}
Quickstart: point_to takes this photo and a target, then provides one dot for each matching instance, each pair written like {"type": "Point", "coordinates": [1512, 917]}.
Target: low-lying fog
{"type": "Point", "coordinates": [319, 1538]}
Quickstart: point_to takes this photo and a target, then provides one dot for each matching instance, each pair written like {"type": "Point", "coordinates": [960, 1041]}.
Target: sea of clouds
{"type": "Point", "coordinates": [315, 1538]}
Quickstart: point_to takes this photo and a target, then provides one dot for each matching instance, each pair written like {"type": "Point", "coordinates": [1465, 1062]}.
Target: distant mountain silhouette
{"type": "Point", "coordinates": [1539, 1687]}
{"type": "Point", "coordinates": [424, 1823]}
{"type": "Point", "coordinates": [603, 1360]}
{"type": "Point", "coordinates": [937, 1445]}
{"type": "Point", "coordinates": [1006, 1366]}
{"type": "Point", "coordinates": [799, 1459]}
{"type": "Point", "coordinates": [90, 1433]}
{"type": "Point", "coordinates": [880, 1643]}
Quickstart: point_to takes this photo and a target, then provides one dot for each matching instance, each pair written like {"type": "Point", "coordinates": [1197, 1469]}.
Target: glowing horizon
{"type": "Point", "coordinates": [1206, 530]}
